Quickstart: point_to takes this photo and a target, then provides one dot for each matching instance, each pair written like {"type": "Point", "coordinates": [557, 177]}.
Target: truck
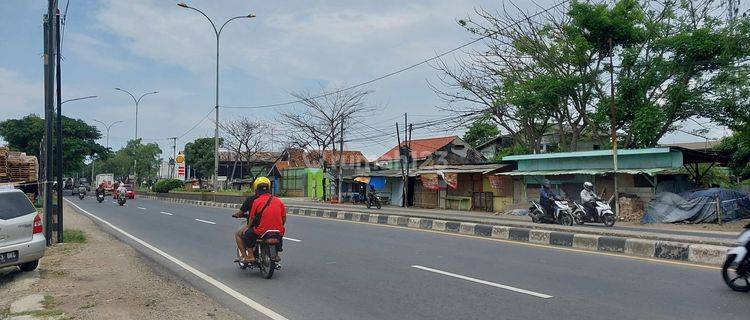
{"type": "Point", "coordinates": [108, 179]}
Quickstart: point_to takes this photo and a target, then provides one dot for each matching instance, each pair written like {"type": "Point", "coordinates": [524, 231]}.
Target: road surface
{"type": "Point", "coordinates": [343, 270]}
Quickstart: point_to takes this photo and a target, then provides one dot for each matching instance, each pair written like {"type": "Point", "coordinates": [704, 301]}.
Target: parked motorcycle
{"type": "Point", "coordinates": [736, 268]}
{"type": "Point", "coordinates": [265, 250]}
{"type": "Point", "coordinates": [562, 213]}
{"type": "Point", "coordinates": [604, 214]}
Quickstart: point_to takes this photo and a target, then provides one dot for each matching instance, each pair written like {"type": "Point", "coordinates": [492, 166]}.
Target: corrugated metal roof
{"type": "Point", "coordinates": [387, 173]}
{"type": "Point", "coordinates": [579, 154]}
{"type": "Point", "coordinates": [467, 168]}
{"type": "Point", "coordinates": [651, 172]}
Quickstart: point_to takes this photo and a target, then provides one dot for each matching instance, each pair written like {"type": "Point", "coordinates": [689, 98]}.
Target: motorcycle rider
{"type": "Point", "coordinates": [122, 191]}
{"type": "Point", "coordinates": [589, 198]}
{"type": "Point", "coordinates": [267, 212]}
{"type": "Point", "coordinates": [371, 195]}
{"type": "Point", "coordinates": [100, 190]}
{"type": "Point", "coordinates": [547, 198]}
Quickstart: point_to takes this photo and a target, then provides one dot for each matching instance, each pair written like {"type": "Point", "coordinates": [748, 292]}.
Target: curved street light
{"type": "Point", "coordinates": [76, 99]}
{"type": "Point", "coordinates": [108, 126]}
{"type": "Point", "coordinates": [217, 32]}
{"type": "Point", "coordinates": [137, 101]}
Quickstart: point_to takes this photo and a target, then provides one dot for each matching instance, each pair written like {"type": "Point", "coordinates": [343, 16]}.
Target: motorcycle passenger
{"type": "Point", "coordinates": [266, 213]}
{"type": "Point", "coordinates": [122, 191]}
{"type": "Point", "coordinates": [589, 198]}
{"type": "Point", "coordinates": [547, 198]}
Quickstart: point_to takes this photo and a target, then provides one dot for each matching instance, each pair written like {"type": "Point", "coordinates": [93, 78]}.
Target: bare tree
{"type": "Point", "coordinates": [244, 138]}
{"type": "Point", "coordinates": [321, 123]}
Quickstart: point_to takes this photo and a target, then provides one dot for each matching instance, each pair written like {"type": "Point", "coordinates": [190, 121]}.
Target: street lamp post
{"type": "Point", "coordinates": [108, 127]}
{"type": "Point", "coordinates": [217, 32]}
{"type": "Point", "coordinates": [137, 101]}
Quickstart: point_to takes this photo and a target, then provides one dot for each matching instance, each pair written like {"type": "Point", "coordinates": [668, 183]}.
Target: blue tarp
{"type": "Point", "coordinates": [377, 182]}
{"type": "Point", "coordinates": [697, 206]}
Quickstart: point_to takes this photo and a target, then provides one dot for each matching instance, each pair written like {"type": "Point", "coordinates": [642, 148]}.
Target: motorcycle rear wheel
{"type": "Point", "coordinates": [267, 266]}
{"type": "Point", "coordinates": [732, 278]}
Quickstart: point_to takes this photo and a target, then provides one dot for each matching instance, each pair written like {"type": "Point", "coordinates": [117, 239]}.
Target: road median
{"type": "Point", "coordinates": [692, 249]}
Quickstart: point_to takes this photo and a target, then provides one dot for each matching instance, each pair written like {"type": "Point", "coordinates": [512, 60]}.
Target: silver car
{"type": "Point", "coordinates": [22, 240]}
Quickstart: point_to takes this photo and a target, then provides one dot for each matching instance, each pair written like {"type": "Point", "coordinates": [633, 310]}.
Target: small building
{"type": "Point", "coordinates": [462, 187]}
{"type": "Point", "coordinates": [641, 172]}
{"type": "Point", "coordinates": [441, 150]}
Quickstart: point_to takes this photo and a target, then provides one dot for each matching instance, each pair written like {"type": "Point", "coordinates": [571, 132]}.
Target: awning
{"type": "Point", "coordinates": [466, 168]}
{"type": "Point", "coordinates": [362, 179]}
{"type": "Point", "coordinates": [650, 171]}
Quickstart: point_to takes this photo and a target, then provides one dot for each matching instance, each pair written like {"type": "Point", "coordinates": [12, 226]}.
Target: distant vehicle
{"type": "Point", "coordinates": [563, 214]}
{"type": "Point", "coordinates": [22, 241]}
{"type": "Point", "coordinates": [108, 179]}
{"type": "Point", "coordinates": [131, 192]}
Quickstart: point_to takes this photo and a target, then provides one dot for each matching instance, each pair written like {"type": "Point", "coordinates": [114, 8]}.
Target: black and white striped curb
{"type": "Point", "coordinates": [668, 250]}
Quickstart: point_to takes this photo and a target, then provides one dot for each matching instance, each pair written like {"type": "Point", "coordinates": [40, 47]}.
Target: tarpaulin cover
{"type": "Point", "coordinates": [697, 207]}
{"type": "Point", "coordinates": [377, 182]}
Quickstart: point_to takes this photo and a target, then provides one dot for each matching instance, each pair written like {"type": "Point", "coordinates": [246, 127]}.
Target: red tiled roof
{"type": "Point", "coordinates": [420, 148]}
{"type": "Point", "coordinates": [348, 157]}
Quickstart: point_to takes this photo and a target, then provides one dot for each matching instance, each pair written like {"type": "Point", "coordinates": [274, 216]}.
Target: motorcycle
{"type": "Point", "coordinates": [604, 214]}
{"type": "Point", "coordinates": [562, 214]}
{"type": "Point", "coordinates": [100, 197]}
{"type": "Point", "coordinates": [373, 200]}
{"type": "Point", "coordinates": [121, 199]}
{"type": "Point", "coordinates": [265, 249]}
{"type": "Point", "coordinates": [81, 192]}
{"type": "Point", "coordinates": [736, 268]}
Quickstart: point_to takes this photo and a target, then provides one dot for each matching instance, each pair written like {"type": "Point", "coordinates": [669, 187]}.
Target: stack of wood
{"type": "Point", "coordinates": [17, 166]}
{"type": "Point", "coordinates": [631, 208]}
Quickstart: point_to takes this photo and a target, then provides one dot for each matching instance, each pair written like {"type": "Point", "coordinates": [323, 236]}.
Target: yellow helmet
{"type": "Point", "coordinates": [259, 181]}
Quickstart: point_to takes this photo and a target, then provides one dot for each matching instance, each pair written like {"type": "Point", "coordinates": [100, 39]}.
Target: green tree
{"type": "Point", "coordinates": [199, 155]}
{"type": "Point", "coordinates": [79, 139]}
{"type": "Point", "coordinates": [480, 131]}
{"type": "Point", "coordinates": [134, 158]}
{"type": "Point", "coordinates": [738, 145]}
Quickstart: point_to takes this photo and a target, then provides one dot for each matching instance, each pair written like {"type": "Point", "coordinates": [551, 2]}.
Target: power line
{"type": "Point", "coordinates": [407, 68]}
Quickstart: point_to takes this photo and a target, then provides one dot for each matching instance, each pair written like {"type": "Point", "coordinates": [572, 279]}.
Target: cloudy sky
{"type": "Point", "coordinates": [294, 45]}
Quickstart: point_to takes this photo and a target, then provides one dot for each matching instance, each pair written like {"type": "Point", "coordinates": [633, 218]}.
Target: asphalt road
{"type": "Point", "coordinates": [345, 270]}
{"type": "Point", "coordinates": [474, 216]}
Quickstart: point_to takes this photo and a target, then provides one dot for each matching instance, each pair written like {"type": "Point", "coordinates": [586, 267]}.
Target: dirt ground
{"type": "Point", "coordinates": [104, 278]}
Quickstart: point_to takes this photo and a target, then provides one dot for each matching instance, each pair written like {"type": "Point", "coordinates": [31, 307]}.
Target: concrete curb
{"type": "Point", "coordinates": [665, 250]}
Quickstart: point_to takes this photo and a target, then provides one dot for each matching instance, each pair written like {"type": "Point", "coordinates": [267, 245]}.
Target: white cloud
{"type": "Point", "coordinates": [95, 52]}
{"type": "Point", "coordinates": [20, 96]}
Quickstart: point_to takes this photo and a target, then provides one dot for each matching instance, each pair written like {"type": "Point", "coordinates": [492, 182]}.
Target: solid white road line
{"type": "Point", "coordinates": [142, 208]}
{"type": "Point", "coordinates": [292, 239]}
{"type": "Point", "coordinates": [492, 284]}
{"type": "Point", "coordinates": [226, 289]}
{"type": "Point", "coordinates": [205, 221]}
{"type": "Point", "coordinates": [167, 213]}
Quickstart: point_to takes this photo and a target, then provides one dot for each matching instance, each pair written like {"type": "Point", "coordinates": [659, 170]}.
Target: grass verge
{"type": "Point", "coordinates": [74, 236]}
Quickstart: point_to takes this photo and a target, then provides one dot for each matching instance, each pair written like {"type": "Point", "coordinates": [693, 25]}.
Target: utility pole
{"type": "Point", "coordinates": [406, 161]}
{"type": "Point", "coordinates": [48, 118]}
{"type": "Point", "coordinates": [174, 157]}
{"type": "Point", "coordinates": [401, 160]}
{"type": "Point", "coordinates": [59, 132]}
{"type": "Point", "coordinates": [341, 162]}
{"type": "Point", "coordinates": [612, 123]}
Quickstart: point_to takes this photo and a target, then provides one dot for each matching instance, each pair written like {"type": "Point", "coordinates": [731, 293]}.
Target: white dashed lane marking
{"type": "Point", "coordinates": [205, 221]}
{"type": "Point", "coordinates": [292, 239]}
{"type": "Point", "coordinates": [167, 213]}
{"type": "Point", "coordinates": [142, 208]}
{"type": "Point", "coordinates": [491, 284]}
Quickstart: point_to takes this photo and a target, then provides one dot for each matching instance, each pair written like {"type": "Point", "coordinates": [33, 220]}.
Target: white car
{"type": "Point", "coordinates": [22, 241]}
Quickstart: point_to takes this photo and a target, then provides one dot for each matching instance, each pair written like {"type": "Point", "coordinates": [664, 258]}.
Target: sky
{"type": "Point", "coordinates": [291, 46]}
